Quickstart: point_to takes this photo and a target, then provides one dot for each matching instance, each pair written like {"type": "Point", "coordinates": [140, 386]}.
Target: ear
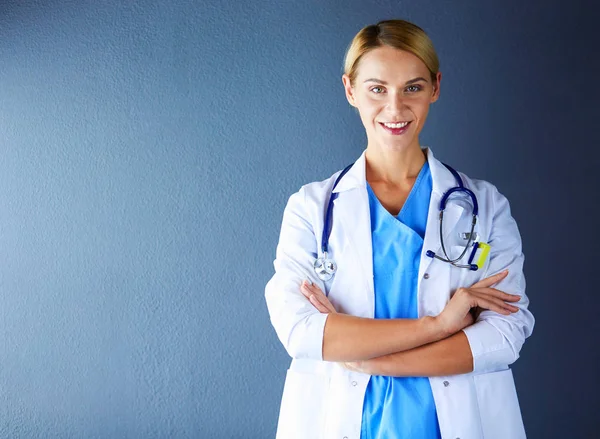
{"type": "Point", "coordinates": [349, 90]}
{"type": "Point", "coordinates": [436, 87]}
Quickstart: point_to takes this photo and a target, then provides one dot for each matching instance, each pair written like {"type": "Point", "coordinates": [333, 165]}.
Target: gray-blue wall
{"type": "Point", "coordinates": [147, 149]}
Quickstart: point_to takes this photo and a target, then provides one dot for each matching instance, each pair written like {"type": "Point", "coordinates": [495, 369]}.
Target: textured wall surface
{"type": "Point", "coordinates": [147, 149]}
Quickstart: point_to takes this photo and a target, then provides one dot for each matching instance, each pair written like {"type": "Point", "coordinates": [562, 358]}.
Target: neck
{"type": "Point", "coordinates": [394, 166]}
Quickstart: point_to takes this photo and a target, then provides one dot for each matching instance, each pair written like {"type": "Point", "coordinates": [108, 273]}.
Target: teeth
{"type": "Point", "coordinates": [396, 125]}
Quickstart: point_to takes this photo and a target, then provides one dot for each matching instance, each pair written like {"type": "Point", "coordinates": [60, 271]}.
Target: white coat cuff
{"type": "Point", "coordinates": [306, 339]}
{"type": "Point", "coordinates": [489, 347]}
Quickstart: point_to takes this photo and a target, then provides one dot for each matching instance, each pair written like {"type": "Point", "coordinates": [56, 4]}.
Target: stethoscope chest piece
{"type": "Point", "coordinates": [325, 268]}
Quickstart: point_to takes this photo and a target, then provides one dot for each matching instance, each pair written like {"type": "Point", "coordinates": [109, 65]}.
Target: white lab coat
{"type": "Point", "coordinates": [322, 400]}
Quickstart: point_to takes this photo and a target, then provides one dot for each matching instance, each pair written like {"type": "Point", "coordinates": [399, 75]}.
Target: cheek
{"type": "Point", "coordinates": [421, 108]}
{"type": "Point", "coordinates": [366, 118]}
{"type": "Point", "coordinates": [369, 108]}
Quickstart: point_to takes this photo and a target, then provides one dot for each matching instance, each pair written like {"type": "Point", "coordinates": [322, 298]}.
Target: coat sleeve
{"type": "Point", "coordinates": [297, 322]}
{"type": "Point", "coordinates": [496, 339]}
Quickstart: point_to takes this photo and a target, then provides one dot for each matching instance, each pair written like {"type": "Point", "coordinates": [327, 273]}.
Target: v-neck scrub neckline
{"type": "Point", "coordinates": [410, 217]}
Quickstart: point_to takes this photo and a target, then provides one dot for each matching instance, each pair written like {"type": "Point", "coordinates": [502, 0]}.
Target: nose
{"type": "Point", "coordinates": [396, 102]}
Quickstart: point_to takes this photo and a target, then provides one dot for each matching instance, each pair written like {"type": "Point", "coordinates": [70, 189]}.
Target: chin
{"type": "Point", "coordinates": [396, 144]}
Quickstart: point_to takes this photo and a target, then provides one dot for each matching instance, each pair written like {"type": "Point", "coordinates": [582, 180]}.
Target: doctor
{"type": "Point", "coordinates": [398, 336]}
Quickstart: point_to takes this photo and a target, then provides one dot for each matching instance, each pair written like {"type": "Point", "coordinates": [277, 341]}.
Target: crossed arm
{"type": "Point", "coordinates": [449, 343]}
{"type": "Point", "coordinates": [430, 346]}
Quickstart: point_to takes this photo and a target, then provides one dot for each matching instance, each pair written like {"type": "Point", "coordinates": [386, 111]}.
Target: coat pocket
{"type": "Point", "coordinates": [302, 406]}
{"type": "Point", "coordinates": [463, 277]}
{"type": "Point", "coordinates": [499, 406]}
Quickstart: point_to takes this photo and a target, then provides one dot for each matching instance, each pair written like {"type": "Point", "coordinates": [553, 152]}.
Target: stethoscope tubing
{"type": "Point", "coordinates": [326, 268]}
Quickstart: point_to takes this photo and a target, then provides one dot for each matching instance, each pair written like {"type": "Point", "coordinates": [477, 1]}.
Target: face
{"type": "Point", "coordinates": [392, 92]}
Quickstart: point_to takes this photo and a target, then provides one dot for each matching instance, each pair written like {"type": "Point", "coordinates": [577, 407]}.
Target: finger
{"type": "Point", "coordinates": [489, 281]}
{"type": "Point", "coordinates": [305, 289]}
{"type": "Point", "coordinates": [496, 305]}
{"type": "Point", "coordinates": [491, 306]}
{"type": "Point", "coordinates": [308, 288]}
{"type": "Point", "coordinates": [318, 305]}
{"type": "Point", "coordinates": [500, 301]}
{"type": "Point", "coordinates": [348, 366]}
{"type": "Point", "coordinates": [324, 302]}
{"type": "Point", "coordinates": [327, 304]}
{"type": "Point", "coordinates": [353, 366]}
{"type": "Point", "coordinates": [498, 293]}
{"type": "Point", "coordinates": [316, 290]}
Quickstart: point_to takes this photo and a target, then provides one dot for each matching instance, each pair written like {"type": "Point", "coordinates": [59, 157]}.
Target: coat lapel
{"type": "Point", "coordinates": [442, 180]}
{"type": "Point", "coordinates": [352, 207]}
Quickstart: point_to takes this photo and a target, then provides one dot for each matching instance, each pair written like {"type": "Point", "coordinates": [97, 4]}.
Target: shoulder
{"type": "Point", "coordinates": [315, 192]}
{"type": "Point", "coordinates": [306, 206]}
{"type": "Point", "coordinates": [318, 189]}
{"type": "Point", "coordinates": [494, 208]}
{"type": "Point", "coordinates": [483, 189]}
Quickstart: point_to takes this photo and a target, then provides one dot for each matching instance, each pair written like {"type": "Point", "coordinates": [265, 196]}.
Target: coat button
{"type": "Point", "coordinates": [446, 384]}
{"type": "Point", "coordinates": [354, 383]}
{"type": "Point", "coordinates": [426, 276]}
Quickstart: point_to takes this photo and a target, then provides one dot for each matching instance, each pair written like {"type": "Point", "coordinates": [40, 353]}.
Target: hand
{"type": "Point", "coordinates": [356, 366]}
{"type": "Point", "coordinates": [317, 298]}
{"type": "Point", "coordinates": [462, 309]}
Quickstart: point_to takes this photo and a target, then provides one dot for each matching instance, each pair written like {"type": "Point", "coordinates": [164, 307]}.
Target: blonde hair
{"type": "Point", "coordinates": [399, 34]}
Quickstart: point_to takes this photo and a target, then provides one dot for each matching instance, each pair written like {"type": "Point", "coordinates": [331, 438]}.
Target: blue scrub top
{"type": "Point", "coordinates": [399, 407]}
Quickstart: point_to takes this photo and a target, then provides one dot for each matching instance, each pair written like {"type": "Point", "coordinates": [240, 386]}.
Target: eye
{"type": "Point", "coordinates": [413, 88]}
{"type": "Point", "coordinates": [377, 89]}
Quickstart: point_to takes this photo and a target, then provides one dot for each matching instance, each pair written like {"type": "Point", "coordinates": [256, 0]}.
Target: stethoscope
{"type": "Point", "coordinates": [326, 267]}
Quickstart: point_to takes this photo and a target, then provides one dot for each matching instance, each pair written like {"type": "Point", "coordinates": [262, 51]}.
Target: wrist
{"type": "Point", "coordinates": [434, 326]}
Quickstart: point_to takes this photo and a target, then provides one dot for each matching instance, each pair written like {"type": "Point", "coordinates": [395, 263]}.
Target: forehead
{"type": "Point", "coordinates": [389, 64]}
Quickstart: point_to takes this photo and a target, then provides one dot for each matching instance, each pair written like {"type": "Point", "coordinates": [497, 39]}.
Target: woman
{"type": "Point", "coordinates": [398, 343]}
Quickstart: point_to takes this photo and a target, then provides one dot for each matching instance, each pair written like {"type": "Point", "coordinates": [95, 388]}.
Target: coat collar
{"type": "Point", "coordinates": [356, 177]}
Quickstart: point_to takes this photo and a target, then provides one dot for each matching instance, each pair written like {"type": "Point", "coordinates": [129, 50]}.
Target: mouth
{"type": "Point", "coordinates": [395, 128]}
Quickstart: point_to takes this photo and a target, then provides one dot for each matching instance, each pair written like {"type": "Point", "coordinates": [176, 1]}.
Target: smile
{"type": "Point", "coordinates": [395, 124]}
{"type": "Point", "coordinates": [395, 128]}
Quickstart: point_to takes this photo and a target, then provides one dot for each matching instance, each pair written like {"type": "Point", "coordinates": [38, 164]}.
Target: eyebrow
{"type": "Point", "coordinates": [380, 81]}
